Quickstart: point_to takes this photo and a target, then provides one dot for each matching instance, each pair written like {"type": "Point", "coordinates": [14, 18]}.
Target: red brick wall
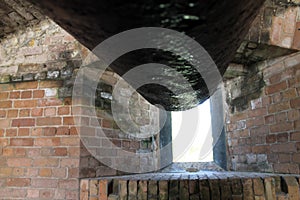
{"type": "Point", "coordinates": [266, 136]}
{"type": "Point", "coordinates": [39, 144]}
{"type": "Point", "coordinates": [41, 156]}
{"type": "Point", "coordinates": [276, 24]}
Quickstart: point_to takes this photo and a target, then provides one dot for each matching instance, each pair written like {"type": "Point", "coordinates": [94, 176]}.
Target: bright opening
{"type": "Point", "coordinates": [200, 149]}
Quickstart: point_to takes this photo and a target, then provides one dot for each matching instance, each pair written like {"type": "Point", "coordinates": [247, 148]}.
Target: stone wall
{"type": "Point", "coordinates": [263, 121]}
{"type": "Point", "coordinates": [41, 156]}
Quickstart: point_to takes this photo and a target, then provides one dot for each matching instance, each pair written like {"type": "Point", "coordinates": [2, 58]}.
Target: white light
{"type": "Point", "coordinates": [194, 154]}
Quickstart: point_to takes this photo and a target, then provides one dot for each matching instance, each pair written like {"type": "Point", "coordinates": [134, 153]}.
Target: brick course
{"type": "Point", "coordinates": [200, 185]}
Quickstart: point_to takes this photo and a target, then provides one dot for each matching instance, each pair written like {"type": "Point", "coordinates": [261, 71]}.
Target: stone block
{"type": "Point", "coordinates": [163, 190]}
{"type": "Point", "coordinates": [142, 190]}
{"type": "Point", "coordinates": [270, 188]}
{"type": "Point", "coordinates": [132, 190]}
{"type": "Point", "coordinates": [293, 187]}
{"type": "Point", "coordinates": [184, 189]}
{"type": "Point", "coordinates": [152, 190]}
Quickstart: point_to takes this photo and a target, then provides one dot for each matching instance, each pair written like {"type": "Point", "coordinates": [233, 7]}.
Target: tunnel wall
{"type": "Point", "coordinates": [41, 156]}
{"type": "Point", "coordinates": [263, 124]}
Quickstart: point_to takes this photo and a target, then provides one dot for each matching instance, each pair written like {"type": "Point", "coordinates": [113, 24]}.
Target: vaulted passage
{"type": "Point", "coordinates": [71, 130]}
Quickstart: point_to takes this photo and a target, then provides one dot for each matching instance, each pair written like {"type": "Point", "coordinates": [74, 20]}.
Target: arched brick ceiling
{"type": "Point", "coordinates": [219, 26]}
{"type": "Point", "coordinates": [17, 14]}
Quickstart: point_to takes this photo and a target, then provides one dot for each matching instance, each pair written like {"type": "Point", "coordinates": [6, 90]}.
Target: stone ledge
{"type": "Point", "coordinates": [200, 185]}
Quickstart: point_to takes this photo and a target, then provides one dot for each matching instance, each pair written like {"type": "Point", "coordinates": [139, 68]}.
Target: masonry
{"type": "Point", "coordinates": [43, 154]}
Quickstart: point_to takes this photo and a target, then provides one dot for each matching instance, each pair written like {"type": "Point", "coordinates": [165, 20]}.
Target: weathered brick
{"type": "Point", "coordinates": [5, 104]}
{"type": "Point", "coordinates": [59, 172]}
{"type": "Point", "coordinates": [63, 111]}
{"type": "Point", "coordinates": [123, 189]}
{"type": "Point", "coordinates": [36, 112]}
{"type": "Point", "coordinates": [50, 111]}
{"type": "Point", "coordinates": [276, 87]}
{"type": "Point", "coordinates": [204, 189]}
{"type": "Point", "coordinates": [173, 189]}
{"type": "Point", "coordinates": [257, 112]}
{"type": "Point", "coordinates": [19, 162]}
{"type": "Point", "coordinates": [26, 94]}
{"type": "Point", "coordinates": [18, 182]}
{"type": "Point", "coordinates": [282, 137]}
{"type": "Point", "coordinates": [4, 95]}
{"type": "Point", "coordinates": [49, 102]}
{"type": "Point", "coordinates": [25, 104]}
{"type": "Point", "coordinates": [152, 190]}
{"type": "Point", "coordinates": [295, 103]}
{"type": "Point", "coordinates": [4, 123]}
{"type": "Point", "coordinates": [48, 121]}
{"type": "Point", "coordinates": [9, 152]}
{"type": "Point", "coordinates": [11, 132]}
{"type": "Point", "coordinates": [45, 172]}
{"type": "Point", "coordinates": [286, 168]}
{"type": "Point", "coordinates": [26, 85]}
{"type": "Point", "coordinates": [21, 142]}
{"type": "Point", "coordinates": [225, 189]}
{"type": "Point", "coordinates": [38, 93]}
{"type": "Point", "coordinates": [44, 183]}
{"type": "Point", "coordinates": [84, 190]}
{"type": "Point", "coordinates": [259, 131]}
{"type": "Point", "coordinates": [63, 131]}
{"type": "Point", "coordinates": [295, 136]}
{"type": "Point", "coordinates": [68, 121]}
{"type": "Point", "coordinates": [23, 132]}
{"type": "Point", "coordinates": [53, 141]}
{"type": "Point", "coordinates": [65, 184]}
{"type": "Point", "coordinates": [70, 141]}
{"type": "Point", "coordinates": [94, 188]}
{"type": "Point", "coordinates": [50, 84]}
{"type": "Point", "coordinates": [293, 187]}
{"type": "Point", "coordinates": [214, 188]}
{"type": "Point", "coordinates": [19, 172]}
{"type": "Point", "coordinates": [62, 151]}
{"type": "Point", "coordinates": [132, 190]}
{"type": "Point", "coordinates": [142, 190]}
{"type": "Point", "coordinates": [33, 193]}
{"type": "Point", "coordinates": [24, 113]}
{"type": "Point", "coordinates": [23, 122]}
{"type": "Point", "coordinates": [5, 172]}
{"type": "Point", "coordinates": [258, 187]}
{"type": "Point", "coordinates": [248, 189]}
{"type": "Point", "coordinates": [69, 162]}
{"type": "Point", "coordinates": [270, 188]}
{"type": "Point", "coordinates": [286, 147]}
{"type": "Point", "coordinates": [12, 113]}
{"type": "Point", "coordinates": [163, 190]}
{"type": "Point", "coordinates": [15, 95]}
{"type": "Point", "coordinates": [184, 189]}
{"type": "Point", "coordinates": [282, 127]}
{"type": "Point", "coordinates": [46, 162]}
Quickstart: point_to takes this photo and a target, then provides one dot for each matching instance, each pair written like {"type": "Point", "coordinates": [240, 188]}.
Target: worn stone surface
{"type": "Point", "coordinates": [16, 15]}
{"type": "Point", "coordinates": [206, 185]}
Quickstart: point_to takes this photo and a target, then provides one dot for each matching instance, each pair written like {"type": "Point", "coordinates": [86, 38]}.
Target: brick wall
{"type": "Point", "coordinates": [263, 133]}
{"type": "Point", "coordinates": [41, 156]}
{"type": "Point", "coordinates": [39, 144]}
{"type": "Point", "coordinates": [277, 24]}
